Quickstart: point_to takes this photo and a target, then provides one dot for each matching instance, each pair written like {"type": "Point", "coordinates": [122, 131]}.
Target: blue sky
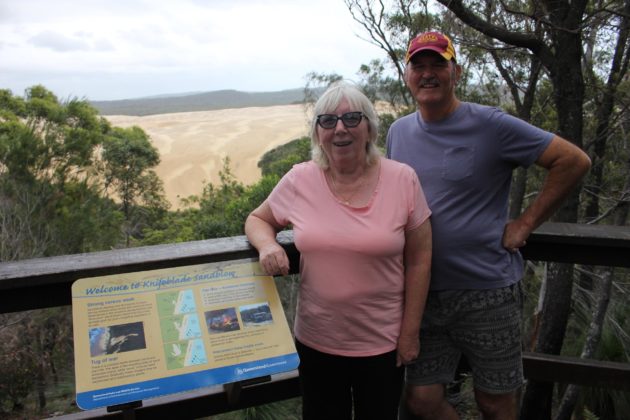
{"type": "Point", "coordinates": [118, 49]}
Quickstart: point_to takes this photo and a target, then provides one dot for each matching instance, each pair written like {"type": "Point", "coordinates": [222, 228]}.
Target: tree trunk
{"type": "Point", "coordinates": [571, 393]}
{"type": "Point", "coordinates": [41, 385]}
{"type": "Point", "coordinates": [566, 75]}
{"type": "Point", "coordinates": [594, 335]}
{"type": "Point", "coordinates": [537, 399]}
{"type": "Point", "coordinates": [604, 113]}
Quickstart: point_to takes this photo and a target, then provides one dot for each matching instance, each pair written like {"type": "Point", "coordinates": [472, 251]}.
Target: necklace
{"type": "Point", "coordinates": [341, 198]}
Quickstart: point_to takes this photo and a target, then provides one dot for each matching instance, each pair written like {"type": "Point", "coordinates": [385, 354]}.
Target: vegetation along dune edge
{"type": "Point", "coordinates": [192, 145]}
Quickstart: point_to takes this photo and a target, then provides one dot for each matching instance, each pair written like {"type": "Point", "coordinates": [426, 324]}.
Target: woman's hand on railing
{"type": "Point", "coordinates": [273, 259]}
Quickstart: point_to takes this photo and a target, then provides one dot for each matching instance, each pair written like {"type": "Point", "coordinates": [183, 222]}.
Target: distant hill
{"type": "Point", "coordinates": [206, 101]}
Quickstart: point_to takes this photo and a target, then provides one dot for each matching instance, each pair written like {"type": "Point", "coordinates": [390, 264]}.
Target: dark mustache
{"type": "Point", "coordinates": [431, 81]}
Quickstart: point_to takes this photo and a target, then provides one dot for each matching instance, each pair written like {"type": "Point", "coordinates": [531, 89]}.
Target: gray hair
{"type": "Point", "coordinates": [328, 102]}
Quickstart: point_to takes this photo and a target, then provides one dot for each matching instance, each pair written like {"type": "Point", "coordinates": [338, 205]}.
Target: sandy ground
{"type": "Point", "coordinates": [192, 145]}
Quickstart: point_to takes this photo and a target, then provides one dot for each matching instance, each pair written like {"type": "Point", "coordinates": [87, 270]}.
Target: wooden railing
{"type": "Point", "coordinates": [46, 282]}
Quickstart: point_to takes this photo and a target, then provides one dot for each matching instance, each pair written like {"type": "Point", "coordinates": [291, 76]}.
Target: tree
{"type": "Point", "coordinates": [279, 160]}
{"type": "Point", "coordinates": [605, 93]}
{"type": "Point", "coordinates": [48, 177]}
{"type": "Point", "coordinates": [128, 157]}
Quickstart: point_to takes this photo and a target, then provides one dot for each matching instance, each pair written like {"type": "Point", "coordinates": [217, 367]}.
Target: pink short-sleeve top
{"type": "Point", "coordinates": [351, 259]}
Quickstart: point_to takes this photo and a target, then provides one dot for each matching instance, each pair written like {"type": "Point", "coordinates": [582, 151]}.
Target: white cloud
{"type": "Point", "coordinates": [121, 49]}
{"type": "Point", "coordinates": [58, 42]}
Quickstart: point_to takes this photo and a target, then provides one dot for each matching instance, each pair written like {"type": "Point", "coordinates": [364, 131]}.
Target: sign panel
{"type": "Point", "coordinates": [152, 333]}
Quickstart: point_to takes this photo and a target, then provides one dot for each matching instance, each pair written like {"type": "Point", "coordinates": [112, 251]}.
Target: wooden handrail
{"type": "Point", "coordinates": [45, 282]}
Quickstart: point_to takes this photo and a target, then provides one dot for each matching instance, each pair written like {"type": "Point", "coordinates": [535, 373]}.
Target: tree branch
{"type": "Point", "coordinates": [517, 39]}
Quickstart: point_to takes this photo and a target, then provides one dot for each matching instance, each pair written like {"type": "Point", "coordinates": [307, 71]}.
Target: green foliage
{"type": "Point", "coordinates": [85, 220]}
{"type": "Point", "coordinates": [379, 86]}
{"type": "Point", "coordinates": [279, 160]}
{"type": "Point", "coordinates": [214, 204]}
{"type": "Point", "coordinates": [53, 162]}
{"type": "Point", "coordinates": [11, 106]}
{"type": "Point", "coordinates": [224, 208]}
{"type": "Point", "coordinates": [128, 155]}
{"type": "Point", "coordinates": [173, 227]}
{"type": "Point", "coordinates": [127, 159]}
{"type": "Point", "coordinates": [50, 201]}
{"type": "Point", "coordinates": [251, 198]}
{"type": "Point", "coordinates": [385, 120]}
{"type": "Point", "coordinates": [221, 210]}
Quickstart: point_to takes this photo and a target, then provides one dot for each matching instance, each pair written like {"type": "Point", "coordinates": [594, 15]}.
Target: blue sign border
{"type": "Point", "coordinates": [187, 382]}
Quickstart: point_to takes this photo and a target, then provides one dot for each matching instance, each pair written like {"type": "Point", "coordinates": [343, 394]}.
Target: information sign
{"type": "Point", "coordinates": [152, 333]}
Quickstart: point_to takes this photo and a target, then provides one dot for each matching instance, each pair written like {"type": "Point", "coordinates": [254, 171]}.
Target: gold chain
{"type": "Point", "coordinates": [337, 194]}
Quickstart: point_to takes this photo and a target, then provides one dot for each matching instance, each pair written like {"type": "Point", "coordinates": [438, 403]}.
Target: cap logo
{"type": "Point", "coordinates": [428, 38]}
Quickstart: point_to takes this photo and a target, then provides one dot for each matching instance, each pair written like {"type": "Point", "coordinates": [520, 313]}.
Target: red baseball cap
{"type": "Point", "coordinates": [433, 41]}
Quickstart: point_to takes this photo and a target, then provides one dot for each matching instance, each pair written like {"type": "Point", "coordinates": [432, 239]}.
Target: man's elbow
{"type": "Point", "coordinates": [581, 163]}
{"type": "Point", "coordinates": [574, 161]}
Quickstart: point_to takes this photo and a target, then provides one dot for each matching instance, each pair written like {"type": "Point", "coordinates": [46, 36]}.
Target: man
{"type": "Point", "coordinates": [464, 154]}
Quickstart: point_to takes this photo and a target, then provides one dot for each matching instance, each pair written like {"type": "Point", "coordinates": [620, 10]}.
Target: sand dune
{"type": "Point", "coordinates": [192, 145]}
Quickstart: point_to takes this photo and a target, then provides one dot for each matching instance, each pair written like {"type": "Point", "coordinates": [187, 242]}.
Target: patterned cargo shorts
{"type": "Point", "coordinates": [484, 326]}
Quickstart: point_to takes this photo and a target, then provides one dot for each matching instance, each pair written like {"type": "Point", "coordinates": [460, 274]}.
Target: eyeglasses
{"type": "Point", "coordinates": [349, 119]}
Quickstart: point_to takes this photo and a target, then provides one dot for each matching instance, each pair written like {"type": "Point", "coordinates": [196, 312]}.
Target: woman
{"type": "Point", "coordinates": [361, 224]}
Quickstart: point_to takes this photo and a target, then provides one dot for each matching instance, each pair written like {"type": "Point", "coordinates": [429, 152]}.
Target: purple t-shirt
{"type": "Point", "coordinates": [465, 163]}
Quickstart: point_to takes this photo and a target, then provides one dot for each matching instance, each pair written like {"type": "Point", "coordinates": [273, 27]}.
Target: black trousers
{"type": "Point", "coordinates": [333, 387]}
